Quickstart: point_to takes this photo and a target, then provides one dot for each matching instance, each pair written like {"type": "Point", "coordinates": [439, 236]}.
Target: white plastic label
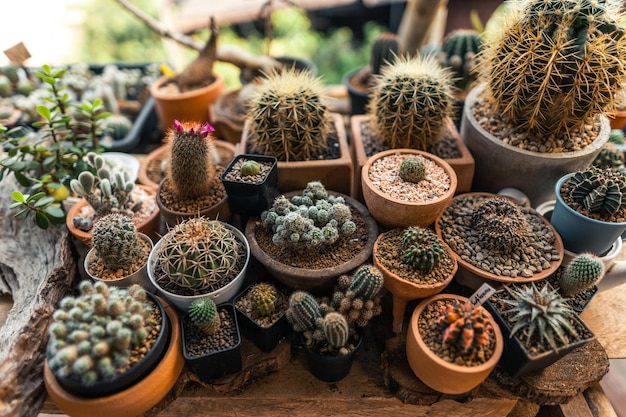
{"type": "Point", "coordinates": [481, 295]}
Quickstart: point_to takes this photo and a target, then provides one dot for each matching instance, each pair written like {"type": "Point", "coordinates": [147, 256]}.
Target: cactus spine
{"type": "Point", "coordinates": [422, 249]}
{"type": "Point", "coordinates": [581, 273]}
{"type": "Point", "coordinates": [289, 120]}
{"type": "Point", "coordinates": [336, 330]}
{"type": "Point", "coordinates": [263, 297]}
{"type": "Point", "coordinates": [198, 252]}
{"type": "Point", "coordinates": [463, 326]}
{"type": "Point", "coordinates": [410, 102]}
{"type": "Point", "coordinates": [191, 168]}
{"type": "Point", "coordinates": [366, 282]}
{"type": "Point", "coordinates": [116, 241]}
{"type": "Point", "coordinates": [384, 50]}
{"type": "Point", "coordinates": [203, 313]}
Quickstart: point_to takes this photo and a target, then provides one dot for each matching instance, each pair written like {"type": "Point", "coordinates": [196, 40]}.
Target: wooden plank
{"type": "Point", "coordinates": [598, 402]}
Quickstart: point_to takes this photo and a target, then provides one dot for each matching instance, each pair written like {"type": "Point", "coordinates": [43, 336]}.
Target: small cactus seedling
{"type": "Point", "coordinates": [413, 169]}
{"type": "Point", "coordinates": [422, 249]}
{"type": "Point", "coordinates": [336, 330]}
{"type": "Point", "coordinates": [463, 326]}
{"type": "Point", "coordinates": [203, 313]}
{"type": "Point", "coordinates": [250, 168]}
{"type": "Point", "coordinates": [263, 298]}
{"type": "Point", "coordinates": [581, 273]}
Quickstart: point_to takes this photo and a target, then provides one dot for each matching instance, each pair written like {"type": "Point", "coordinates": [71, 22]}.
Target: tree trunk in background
{"type": "Point", "coordinates": [416, 24]}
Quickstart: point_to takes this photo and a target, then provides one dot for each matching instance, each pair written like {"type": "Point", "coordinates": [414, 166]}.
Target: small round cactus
{"type": "Point", "coordinates": [366, 282]}
{"type": "Point", "coordinates": [117, 126]}
{"type": "Point", "coordinates": [203, 313]}
{"type": "Point", "coordinates": [263, 297]}
{"type": "Point", "coordinates": [304, 311]}
{"type": "Point", "coordinates": [413, 169]}
{"type": "Point", "coordinates": [422, 249]}
{"type": "Point", "coordinates": [116, 241]}
{"type": "Point", "coordinates": [501, 224]}
{"type": "Point", "coordinates": [250, 168]}
{"type": "Point", "coordinates": [336, 330]}
{"type": "Point", "coordinates": [463, 326]}
{"type": "Point", "coordinates": [581, 273]}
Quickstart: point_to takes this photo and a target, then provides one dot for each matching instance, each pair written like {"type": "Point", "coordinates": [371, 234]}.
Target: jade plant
{"type": "Point", "coordinates": [330, 324]}
{"type": "Point", "coordinates": [554, 68]}
{"type": "Point", "coordinates": [309, 220]}
{"type": "Point", "coordinates": [198, 253]}
{"type": "Point", "coordinates": [596, 192]}
{"type": "Point", "coordinates": [288, 118]}
{"type": "Point", "coordinates": [204, 315]}
{"type": "Point", "coordinates": [463, 326]}
{"type": "Point", "coordinates": [47, 161]}
{"type": "Point", "coordinates": [117, 243]}
{"type": "Point", "coordinates": [93, 335]}
{"type": "Point", "coordinates": [410, 103]}
{"type": "Point", "coordinates": [585, 270]}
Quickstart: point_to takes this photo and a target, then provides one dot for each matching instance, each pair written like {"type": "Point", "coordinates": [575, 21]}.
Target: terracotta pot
{"type": "Point", "coordinates": [227, 123]}
{"type": "Point", "coordinates": [403, 291]}
{"type": "Point", "coordinates": [135, 400]}
{"type": "Point", "coordinates": [149, 226]}
{"type": "Point", "coordinates": [391, 212]}
{"type": "Point", "coordinates": [473, 277]}
{"type": "Point", "coordinates": [225, 149]}
{"type": "Point", "coordinates": [318, 280]}
{"type": "Point", "coordinates": [442, 375]}
{"type": "Point", "coordinates": [188, 106]}
{"type": "Point", "coordinates": [463, 166]}
{"type": "Point", "coordinates": [618, 119]}
{"type": "Point", "coordinates": [335, 174]}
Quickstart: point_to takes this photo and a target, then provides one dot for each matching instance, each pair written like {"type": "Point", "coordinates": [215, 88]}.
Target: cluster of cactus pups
{"type": "Point", "coordinates": [585, 270]}
{"type": "Point", "coordinates": [464, 326]}
{"type": "Point", "coordinates": [93, 334]}
{"type": "Point", "coordinates": [600, 191]}
{"type": "Point", "coordinates": [330, 323]}
{"type": "Point", "coordinates": [203, 313]}
{"type": "Point", "coordinates": [117, 242]}
{"type": "Point", "coordinates": [309, 220]}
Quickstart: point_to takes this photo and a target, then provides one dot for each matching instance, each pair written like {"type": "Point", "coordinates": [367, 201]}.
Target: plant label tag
{"type": "Point", "coordinates": [17, 54]}
{"type": "Point", "coordinates": [481, 295]}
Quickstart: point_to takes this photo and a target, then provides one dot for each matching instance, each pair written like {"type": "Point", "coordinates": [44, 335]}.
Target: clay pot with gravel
{"type": "Point", "coordinates": [451, 345]}
{"type": "Point", "coordinates": [407, 187]}
{"type": "Point", "coordinates": [415, 263]}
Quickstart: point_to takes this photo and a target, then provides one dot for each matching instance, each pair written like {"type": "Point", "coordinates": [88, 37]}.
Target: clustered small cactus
{"type": "Point", "coordinates": [464, 326]}
{"type": "Point", "coordinates": [600, 191]}
{"type": "Point", "coordinates": [501, 224]}
{"type": "Point", "coordinates": [92, 335]}
{"type": "Point", "coordinates": [413, 169]}
{"type": "Point", "coordinates": [191, 169]}
{"type": "Point", "coordinates": [422, 249]}
{"type": "Point", "coordinates": [581, 273]}
{"type": "Point", "coordinates": [263, 298]}
{"type": "Point", "coordinates": [309, 220]}
{"type": "Point", "coordinates": [197, 253]}
{"type": "Point", "coordinates": [250, 168]}
{"type": "Point", "coordinates": [203, 313]}
{"type": "Point", "coordinates": [554, 67]}
{"type": "Point", "coordinates": [609, 157]}
{"type": "Point", "coordinates": [410, 103]}
{"type": "Point", "coordinates": [116, 241]}
{"type": "Point", "coordinates": [539, 313]}
{"type": "Point", "coordinates": [460, 49]}
{"type": "Point", "coordinates": [289, 120]}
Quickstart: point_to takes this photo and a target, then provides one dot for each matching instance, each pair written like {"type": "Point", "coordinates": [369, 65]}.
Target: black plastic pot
{"type": "Point", "coordinates": [329, 368]}
{"type": "Point", "coordinates": [130, 377]}
{"type": "Point", "coordinates": [215, 364]}
{"type": "Point", "coordinates": [358, 98]}
{"type": "Point", "coordinates": [251, 199]}
{"type": "Point", "coordinates": [248, 75]}
{"type": "Point", "coordinates": [265, 338]}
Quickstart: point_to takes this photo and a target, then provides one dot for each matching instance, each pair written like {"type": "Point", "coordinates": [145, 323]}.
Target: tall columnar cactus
{"type": "Point", "coordinates": [289, 120]}
{"type": "Point", "coordinates": [191, 168]}
{"type": "Point", "coordinates": [422, 249]}
{"type": "Point", "coordinates": [539, 313]}
{"type": "Point", "coordinates": [366, 282]}
{"type": "Point", "coordinates": [203, 313]}
{"type": "Point", "coordinates": [501, 224]}
{"type": "Point", "coordinates": [116, 241]}
{"type": "Point", "coordinates": [556, 65]}
{"type": "Point", "coordinates": [460, 49]}
{"type": "Point", "coordinates": [336, 330]}
{"type": "Point", "coordinates": [92, 335]}
{"type": "Point", "coordinates": [383, 52]}
{"type": "Point", "coordinates": [412, 169]}
{"type": "Point", "coordinates": [581, 273]}
{"type": "Point", "coordinates": [464, 326]}
{"type": "Point", "coordinates": [304, 312]}
{"type": "Point", "coordinates": [263, 298]}
{"type": "Point", "coordinates": [600, 191]}
{"type": "Point", "coordinates": [197, 253]}
{"type": "Point", "coordinates": [410, 102]}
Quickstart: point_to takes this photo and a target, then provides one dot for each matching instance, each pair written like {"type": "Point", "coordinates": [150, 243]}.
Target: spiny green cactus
{"type": "Point", "coordinates": [92, 334]}
{"type": "Point", "coordinates": [5, 86]}
{"type": "Point", "coordinates": [336, 330]}
{"type": "Point", "coordinates": [289, 120]}
{"type": "Point", "coordinates": [383, 52]}
{"type": "Point", "coordinates": [410, 102]}
{"type": "Point", "coordinates": [500, 224]}
{"type": "Point", "coordinates": [600, 191]}
{"type": "Point", "coordinates": [116, 241]}
{"type": "Point", "coordinates": [203, 313]}
{"type": "Point", "coordinates": [191, 168]}
{"type": "Point", "coordinates": [263, 298]}
{"type": "Point", "coordinates": [250, 168]}
{"type": "Point", "coordinates": [464, 326]}
{"type": "Point", "coordinates": [304, 311]}
{"type": "Point", "coordinates": [198, 252]}
{"type": "Point", "coordinates": [581, 273]}
{"type": "Point", "coordinates": [539, 313]}
{"type": "Point", "coordinates": [555, 66]}
{"type": "Point", "coordinates": [460, 49]}
{"type": "Point", "coordinates": [413, 169]}
{"type": "Point", "coordinates": [117, 126]}
{"type": "Point", "coordinates": [609, 157]}
{"type": "Point", "coordinates": [366, 282]}
{"type": "Point", "coordinates": [421, 248]}
{"type": "Point", "coordinates": [616, 136]}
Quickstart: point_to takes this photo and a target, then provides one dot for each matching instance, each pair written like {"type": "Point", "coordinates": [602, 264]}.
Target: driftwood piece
{"type": "Point", "coordinates": [36, 269]}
